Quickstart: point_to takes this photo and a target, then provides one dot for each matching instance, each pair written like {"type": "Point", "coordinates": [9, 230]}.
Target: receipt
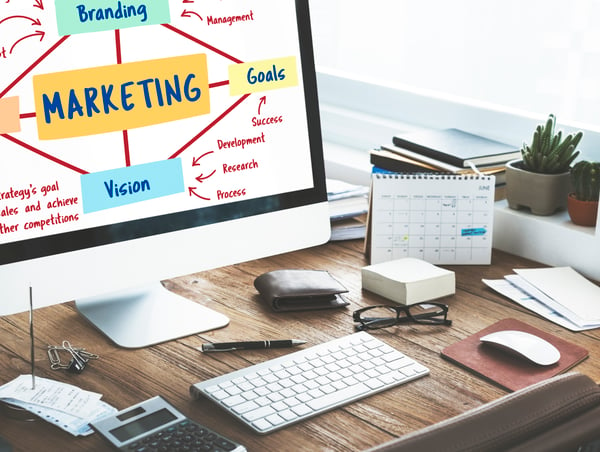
{"type": "Point", "coordinates": [64, 405]}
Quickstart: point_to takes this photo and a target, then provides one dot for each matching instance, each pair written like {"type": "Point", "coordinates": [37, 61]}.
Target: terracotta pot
{"type": "Point", "coordinates": [583, 213]}
{"type": "Point", "coordinates": [543, 194]}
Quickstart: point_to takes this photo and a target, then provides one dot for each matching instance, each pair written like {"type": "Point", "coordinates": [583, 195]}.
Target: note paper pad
{"type": "Point", "coordinates": [408, 280]}
{"type": "Point", "coordinates": [9, 115]}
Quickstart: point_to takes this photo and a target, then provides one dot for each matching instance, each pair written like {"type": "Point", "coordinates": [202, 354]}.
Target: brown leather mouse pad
{"type": "Point", "coordinates": [508, 371]}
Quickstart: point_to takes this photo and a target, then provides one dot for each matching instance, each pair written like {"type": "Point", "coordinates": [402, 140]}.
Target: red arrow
{"type": "Point", "coordinates": [38, 4]}
{"type": "Point", "coordinates": [196, 160]}
{"type": "Point", "coordinates": [187, 13]}
{"type": "Point", "coordinates": [33, 21]}
{"type": "Point", "coordinates": [263, 100]}
{"type": "Point", "coordinates": [37, 33]}
{"type": "Point", "coordinates": [202, 178]}
{"type": "Point", "coordinates": [192, 191]}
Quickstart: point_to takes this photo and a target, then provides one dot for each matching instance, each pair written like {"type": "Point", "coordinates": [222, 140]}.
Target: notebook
{"type": "Point", "coordinates": [509, 372]}
{"type": "Point", "coordinates": [439, 218]}
{"type": "Point", "coordinates": [457, 147]}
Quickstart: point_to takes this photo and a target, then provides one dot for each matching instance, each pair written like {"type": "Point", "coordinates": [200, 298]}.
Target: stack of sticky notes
{"type": "Point", "coordinates": [408, 280]}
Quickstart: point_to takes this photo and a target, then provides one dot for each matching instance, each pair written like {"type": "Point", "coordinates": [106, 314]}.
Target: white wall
{"type": "Point", "coordinates": [538, 56]}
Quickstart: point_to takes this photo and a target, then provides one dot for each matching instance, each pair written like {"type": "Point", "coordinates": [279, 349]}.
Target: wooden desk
{"type": "Point", "coordinates": [126, 377]}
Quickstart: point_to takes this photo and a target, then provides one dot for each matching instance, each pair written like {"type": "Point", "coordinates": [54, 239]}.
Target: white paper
{"type": "Point", "coordinates": [337, 189]}
{"type": "Point", "coordinates": [51, 394]}
{"type": "Point", "coordinates": [568, 288]}
{"type": "Point", "coordinates": [61, 404]}
{"type": "Point", "coordinates": [506, 288]}
{"type": "Point", "coordinates": [76, 426]}
{"type": "Point", "coordinates": [545, 300]}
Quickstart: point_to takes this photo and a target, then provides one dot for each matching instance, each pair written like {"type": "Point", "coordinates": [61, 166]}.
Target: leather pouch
{"type": "Point", "coordinates": [300, 290]}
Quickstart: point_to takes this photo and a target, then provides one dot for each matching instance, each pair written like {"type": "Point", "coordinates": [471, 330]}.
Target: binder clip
{"type": "Point", "coordinates": [77, 362]}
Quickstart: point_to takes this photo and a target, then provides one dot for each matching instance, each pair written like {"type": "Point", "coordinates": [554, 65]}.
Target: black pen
{"type": "Point", "coordinates": [231, 346]}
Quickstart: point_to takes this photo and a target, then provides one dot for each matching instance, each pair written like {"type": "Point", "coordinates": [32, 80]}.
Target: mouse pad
{"type": "Point", "coordinates": [508, 371]}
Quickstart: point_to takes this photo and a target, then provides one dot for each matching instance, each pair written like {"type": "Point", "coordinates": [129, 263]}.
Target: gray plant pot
{"type": "Point", "coordinates": [542, 194]}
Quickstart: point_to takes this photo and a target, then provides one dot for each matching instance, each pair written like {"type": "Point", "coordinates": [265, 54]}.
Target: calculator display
{"type": "Point", "coordinates": [143, 425]}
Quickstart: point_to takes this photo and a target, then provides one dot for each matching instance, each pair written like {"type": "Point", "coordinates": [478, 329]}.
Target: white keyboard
{"type": "Point", "coordinates": [288, 389]}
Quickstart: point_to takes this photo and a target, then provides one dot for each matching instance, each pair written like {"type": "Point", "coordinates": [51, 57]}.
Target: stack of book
{"type": "Point", "coordinates": [348, 205]}
{"type": "Point", "coordinates": [447, 150]}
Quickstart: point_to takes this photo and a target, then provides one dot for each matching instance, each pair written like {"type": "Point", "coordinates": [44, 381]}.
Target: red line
{"type": "Point", "coordinates": [30, 68]}
{"type": "Point", "coordinates": [126, 146]}
{"type": "Point", "coordinates": [118, 43]}
{"type": "Point", "coordinates": [210, 126]}
{"type": "Point", "coordinates": [43, 154]}
{"type": "Point", "coordinates": [27, 115]}
{"type": "Point", "coordinates": [202, 43]}
{"type": "Point", "coordinates": [125, 133]}
{"type": "Point", "coordinates": [217, 84]}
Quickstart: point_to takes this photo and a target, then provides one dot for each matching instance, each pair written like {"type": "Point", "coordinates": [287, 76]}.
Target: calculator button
{"type": "Point", "coordinates": [224, 444]}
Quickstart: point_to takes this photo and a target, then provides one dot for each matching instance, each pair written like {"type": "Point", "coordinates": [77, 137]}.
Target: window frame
{"type": "Point", "coordinates": [358, 114]}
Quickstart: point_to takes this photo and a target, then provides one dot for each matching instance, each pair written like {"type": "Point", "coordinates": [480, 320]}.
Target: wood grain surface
{"type": "Point", "coordinates": [125, 377]}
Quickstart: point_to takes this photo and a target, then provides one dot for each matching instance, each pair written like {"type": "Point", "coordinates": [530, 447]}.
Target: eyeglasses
{"type": "Point", "coordinates": [383, 316]}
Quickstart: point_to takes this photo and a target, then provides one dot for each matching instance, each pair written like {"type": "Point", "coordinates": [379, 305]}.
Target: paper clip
{"type": "Point", "coordinates": [78, 361]}
{"type": "Point", "coordinates": [77, 364]}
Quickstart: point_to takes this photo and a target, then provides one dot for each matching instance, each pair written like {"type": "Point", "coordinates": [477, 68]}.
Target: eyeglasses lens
{"type": "Point", "coordinates": [385, 316]}
{"type": "Point", "coordinates": [380, 317]}
{"type": "Point", "coordinates": [427, 313]}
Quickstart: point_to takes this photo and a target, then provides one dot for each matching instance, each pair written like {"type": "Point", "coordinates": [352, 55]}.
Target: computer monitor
{"type": "Point", "coordinates": [142, 142]}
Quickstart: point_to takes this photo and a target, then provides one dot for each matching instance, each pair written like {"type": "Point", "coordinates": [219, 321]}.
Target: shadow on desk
{"type": "Point", "coordinates": [560, 414]}
{"type": "Point", "coordinates": [5, 446]}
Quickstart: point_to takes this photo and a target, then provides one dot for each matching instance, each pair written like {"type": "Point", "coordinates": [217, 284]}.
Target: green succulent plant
{"type": "Point", "coordinates": [585, 177]}
{"type": "Point", "coordinates": [549, 152]}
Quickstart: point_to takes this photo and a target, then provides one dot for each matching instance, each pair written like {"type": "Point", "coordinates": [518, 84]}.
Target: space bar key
{"type": "Point", "coordinates": [338, 397]}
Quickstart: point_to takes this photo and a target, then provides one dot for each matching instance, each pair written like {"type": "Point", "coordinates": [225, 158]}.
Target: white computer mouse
{"type": "Point", "coordinates": [525, 345]}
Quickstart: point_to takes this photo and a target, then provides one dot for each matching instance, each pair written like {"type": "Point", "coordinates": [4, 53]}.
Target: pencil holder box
{"type": "Point", "coordinates": [300, 290]}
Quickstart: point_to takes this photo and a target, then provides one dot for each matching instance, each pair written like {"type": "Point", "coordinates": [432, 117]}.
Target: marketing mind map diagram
{"type": "Point", "coordinates": [112, 110]}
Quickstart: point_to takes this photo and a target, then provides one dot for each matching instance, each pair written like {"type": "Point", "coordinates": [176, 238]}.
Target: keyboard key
{"type": "Point", "coordinates": [339, 396]}
{"type": "Point", "coordinates": [245, 407]}
{"type": "Point", "coordinates": [259, 413]}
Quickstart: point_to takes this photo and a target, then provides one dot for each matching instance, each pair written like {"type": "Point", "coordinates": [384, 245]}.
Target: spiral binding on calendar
{"type": "Point", "coordinates": [433, 176]}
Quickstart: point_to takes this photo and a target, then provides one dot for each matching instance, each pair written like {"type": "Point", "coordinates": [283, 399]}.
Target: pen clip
{"type": "Point", "coordinates": [212, 348]}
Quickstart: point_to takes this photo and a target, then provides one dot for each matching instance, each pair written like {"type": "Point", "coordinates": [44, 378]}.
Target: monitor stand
{"type": "Point", "coordinates": [148, 315]}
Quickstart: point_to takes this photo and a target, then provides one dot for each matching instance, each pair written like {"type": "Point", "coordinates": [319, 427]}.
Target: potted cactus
{"type": "Point", "coordinates": [540, 180]}
{"type": "Point", "coordinates": [582, 204]}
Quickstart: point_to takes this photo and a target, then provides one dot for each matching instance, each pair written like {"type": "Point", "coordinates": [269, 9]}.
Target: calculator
{"type": "Point", "coordinates": [155, 425]}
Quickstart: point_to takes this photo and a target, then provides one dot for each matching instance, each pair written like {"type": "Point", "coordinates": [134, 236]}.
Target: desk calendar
{"type": "Point", "coordinates": [440, 218]}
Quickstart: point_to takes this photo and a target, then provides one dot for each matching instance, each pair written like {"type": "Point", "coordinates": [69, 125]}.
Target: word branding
{"type": "Point", "coordinates": [119, 12]}
{"type": "Point", "coordinates": [87, 16]}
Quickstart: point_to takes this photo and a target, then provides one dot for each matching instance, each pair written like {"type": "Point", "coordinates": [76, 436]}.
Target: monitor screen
{"type": "Point", "coordinates": [148, 140]}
